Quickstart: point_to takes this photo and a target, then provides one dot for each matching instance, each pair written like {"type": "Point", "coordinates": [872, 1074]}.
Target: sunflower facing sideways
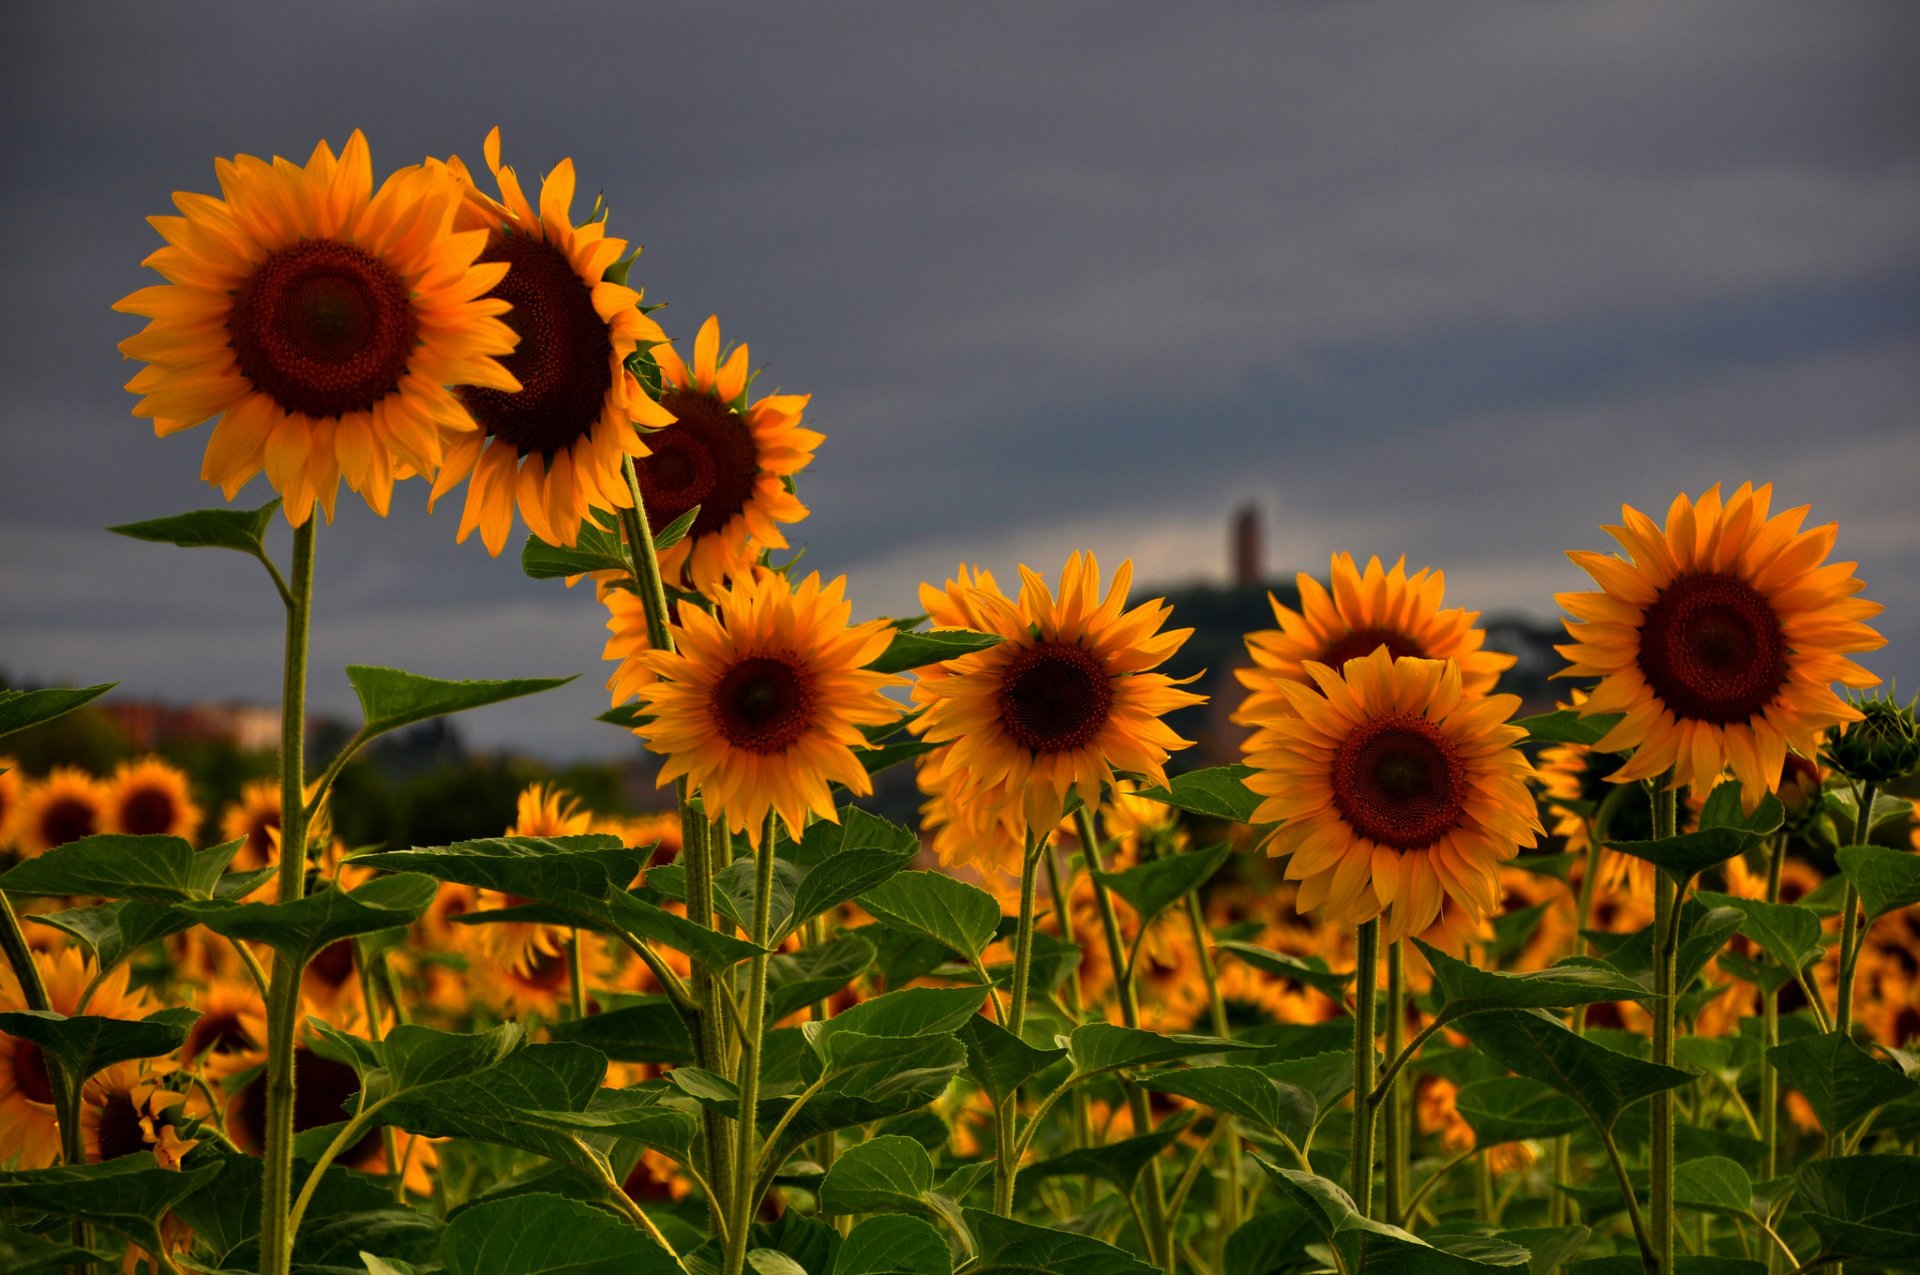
{"type": "Point", "coordinates": [552, 443]}
{"type": "Point", "coordinates": [148, 797]}
{"type": "Point", "coordinates": [732, 458]}
{"type": "Point", "coordinates": [1396, 790]}
{"type": "Point", "coordinates": [322, 321]}
{"type": "Point", "coordinates": [1363, 610]}
{"type": "Point", "coordinates": [760, 704]}
{"type": "Point", "coordinates": [1719, 638]}
{"type": "Point", "coordinates": [1063, 703]}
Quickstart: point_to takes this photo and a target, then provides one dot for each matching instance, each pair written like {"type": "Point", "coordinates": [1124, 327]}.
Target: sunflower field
{"type": "Point", "coordinates": [1420, 986]}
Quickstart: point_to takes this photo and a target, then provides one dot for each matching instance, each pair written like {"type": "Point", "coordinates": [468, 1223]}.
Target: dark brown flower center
{"type": "Point", "coordinates": [67, 819]}
{"type": "Point", "coordinates": [119, 1132]}
{"type": "Point", "coordinates": [1363, 642]}
{"type": "Point", "coordinates": [30, 1072]}
{"type": "Point", "coordinates": [333, 965]}
{"type": "Point", "coordinates": [564, 361]}
{"type": "Point", "coordinates": [323, 328]}
{"type": "Point", "coordinates": [217, 1033]}
{"type": "Point", "coordinates": [1712, 649]}
{"type": "Point", "coordinates": [1399, 782]}
{"type": "Point", "coordinates": [1054, 697]}
{"type": "Point", "coordinates": [764, 703]}
{"type": "Point", "coordinates": [705, 458]}
{"type": "Point", "coordinates": [321, 1090]}
{"type": "Point", "coordinates": [149, 811]}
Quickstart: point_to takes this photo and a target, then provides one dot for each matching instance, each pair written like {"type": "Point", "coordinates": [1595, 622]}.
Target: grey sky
{"type": "Point", "coordinates": [1449, 280]}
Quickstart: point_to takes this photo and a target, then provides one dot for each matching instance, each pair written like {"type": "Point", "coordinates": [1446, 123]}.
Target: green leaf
{"type": "Point", "coordinates": [812, 974]}
{"type": "Point", "coordinates": [635, 1115]}
{"type": "Point", "coordinates": [843, 861]}
{"type": "Point", "coordinates": [1845, 808]}
{"type": "Point", "coordinates": [1538, 1046]}
{"type": "Point", "coordinates": [597, 549]}
{"type": "Point", "coordinates": [910, 650]}
{"type": "Point", "coordinates": [894, 1245]}
{"type": "Point", "coordinates": [21, 709]}
{"type": "Point", "coordinates": [1120, 1162]}
{"type": "Point", "coordinates": [676, 531]}
{"type": "Point", "coordinates": [887, 756]}
{"type": "Point", "coordinates": [1725, 831]}
{"type": "Point", "coordinates": [540, 1234]}
{"type": "Point", "coordinates": [127, 1193]}
{"type": "Point", "coordinates": [1863, 1206]}
{"type": "Point", "coordinates": [1270, 1243]}
{"type": "Point", "coordinates": [958, 916]}
{"type": "Point", "coordinates": [999, 1061]}
{"type": "Point", "coordinates": [113, 866]}
{"type": "Point", "coordinates": [651, 1032]}
{"type": "Point", "coordinates": [1840, 1081]}
{"type": "Point", "coordinates": [1310, 970]}
{"type": "Point", "coordinates": [88, 1043]}
{"type": "Point", "coordinates": [561, 870]}
{"type": "Point", "coordinates": [1713, 1184]}
{"type": "Point", "coordinates": [1006, 1247]}
{"type": "Point", "coordinates": [1101, 1047]}
{"type": "Point", "coordinates": [1152, 887]}
{"type": "Point", "coordinates": [1465, 989]}
{"type": "Point", "coordinates": [504, 1103]}
{"type": "Point", "coordinates": [911, 1011]}
{"type": "Point", "coordinates": [301, 928]}
{"type": "Point", "coordinates": [415, 1057]}
{"type": "Point", "coordinates": [887, 1174]}
{"type": "Point", "coordinates": [1567, 727]}
{"type": "Point", "coordinates": [243, 530]}
{"type": "Point", "coordinates": [1514, 1109]}
{"type": "Point", "coordinates": [1219, 793]}
{"type": "Point", "coordinates": [634, 913]}
{"type": "Point", "coordinates": [1376, 1247]}
{"type": "Point", "coordinates": [1251, 1093]}
{"type": "Point", "coordinates": [114, 931]}
{"type": "Point", "coordinates": [1547, 1246]}
{"type": "Point", "coordinates": [24, 1253]}
{"type": "Point", "coordinates": [870, 1078]}
{"type": "Point", "coordinates": [1887, 880]}
{"type": "Point", "coordinates": [1703, 930]}
{"type": "Point", "coordinates": [390, 699]}
{"type": "Point", "coordinates": [1789, 934]}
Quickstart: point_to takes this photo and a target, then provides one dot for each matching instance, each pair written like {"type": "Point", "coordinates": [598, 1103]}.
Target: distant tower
{"type": "Point", "coordinates": [1248, 570]}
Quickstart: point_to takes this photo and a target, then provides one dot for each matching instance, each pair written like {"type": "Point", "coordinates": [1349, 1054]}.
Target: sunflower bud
{"type": "Point", "coordinates": [1883, 746]}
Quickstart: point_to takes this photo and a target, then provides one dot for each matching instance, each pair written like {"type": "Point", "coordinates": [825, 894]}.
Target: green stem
{"type": "Point", "coordinates": [389, 1137]}
{"type": "Point", "coordinates": [1394, 1145]}
{"type": "Point", "coordinates": [746, 1147]}
{"type": "Point", "coordinates": [1360, 1160]}
{"type": "Point", "coordinates": [1770, 1032]}
{"type": "Point", "coordinates": [1082, 1114]}
{"type": "Point", "coordinates": [1634, 1215]}
{"type": "Point", "coordinates": [1560, 1210]}
{"type": "Point", "coordinates": [1006, 1166]}
{"type": "Point", "coordinates": [1230, 1211]}
{"type": "Point", "coordinates": [1666, 925]}
{"type": "Point", "coordinates": [1850, 935]}
{"type": "Point", "coordinates": [283, 996]}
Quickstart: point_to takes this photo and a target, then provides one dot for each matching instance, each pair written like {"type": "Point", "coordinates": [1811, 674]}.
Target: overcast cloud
{"type": "Point", "coordinates": [1450, 280]}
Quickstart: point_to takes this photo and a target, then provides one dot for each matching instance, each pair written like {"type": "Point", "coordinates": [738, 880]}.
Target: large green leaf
{"type": "Point", "coordinates": [1311, 970]}
{"type": "Point", "coordinates": [1376, 1247]}
{"type": "Point", "coordinates": [21, 709]}
{"type": "Point", "coordinates": [1119, 1162]}
{"type": "Point", "coordinates": [1713, 1184]}
{"type": "Point", "coordinates": [894, 1245]}
{"type": "Point", "coordinates": [1152, 887]}
{"type": "Point", "coordinates": [1725, 831]}
{"type": "Point", "coordinates": [1840, 1081]}
{"type": "Point", "coordinates": [24, 1253]}
{"type": "Point", "coordinates": [502, 1104]}
{"type": "Point", "coordinates": [1465, 989]}
{"type": "Point", "coordinates": [1567, 727]}
{"type": "Point", "coordinates": [999, 1061]}
{"type": "Point", "coordinates": [1703, 932]}
{"type": "Point", "coordinates": [596, 549]}
{"type": "Point", "coordinates": [868, 1078]}
{"type": "Point", "coordinates": [887, 1174]}
{"type": "Point", "coordinates": [1887, 880]}
{"type": "Point", "coordinates": [649, 1032]}
{"type": "Point", "coordinates": [1102, 1047]}
{"type": "Point", "coordinates": [301, 928]}
{"type": "Point", "coordinates": [114, 931]}
{"type": "Point", "coordinates": [127, 1193]}
{"type": "Point", "coordinates": [843, 861]}
{"type": "Point", "coordinates": [958, 916]}
{"type": "Point", "coordinates": [1515, 1108]}
{"type": "Point", "coordinates": [1006, 1247]}
{"type": "Point", "coordinates": [796, 980]}
{"type": "Point", "coordinates": [1864, 1206]}
{"type": "Point", "coordinates": [242, 530]}
{"type": "Point", "coordinates": [1251, 1093]}
{"type": "Point", "coordinates": [635, 913]}
{"type": "Point", "coordinates": [911, 1011]}
{"type": "Point", "coordinates": [541, 1234]}
{"type": "Point", "coordinates": [88, 1043]}
{"type": "Point", "coordinates": [560, 870]}
{"type": "Point", "coordinates": [390, 699]}
{"type": "Point", "coordinates": [910, 650]}
{"type": "Point", "coordinates": [1547, 1246]}
{"type": "Point", "coordinates": [1219, 792]}
{"type": "Point", "coordinates": [114, 866]}
{"type": "Point", "coordinates": [1533, 1044]}
{"type": "Point", "coordinates": [1787, 933]}
{"type": "Point", "coordinates": [638, 1115]}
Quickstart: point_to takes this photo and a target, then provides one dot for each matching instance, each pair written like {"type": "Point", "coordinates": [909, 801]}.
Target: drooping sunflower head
{"type": "Point", "coordinates": [29, 1136]}
{"type": "Point", "coordinates": [124, 1111]}
{"type": "Point", "coordinates": [1719, 637]}
{"type": "Point", "coordinates": [321, 320]}
{"type": "Point", "coordinates": [733, 459]}
{"type": "Point", "coordinates": [1064, 702]}
{"type": "Point", "coordinates": [148, 797]}
{"type": "Point", "coordinates": [553, 441]}
{"type": "Point", "coordinates": [760, 704]}
{"type": "Point", "coordinates": [66, 805]}
{"type": "Point", "coordinates": [1363, 610]}
{"type": "Point", "coordinates": [1396, 789]}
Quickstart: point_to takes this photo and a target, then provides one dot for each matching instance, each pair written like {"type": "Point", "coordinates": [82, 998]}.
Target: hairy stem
{"type": "Point", "coordinates": [1666, 926]}
{"type": "Point", "coordinates": [747, 1147]}
{"type": "Point", "coordinates": [1006, 1165]}
{"type": "Point", "coordinates": [1360, 1160]}
{"type": "Point", "coordinates": [1850, 935]}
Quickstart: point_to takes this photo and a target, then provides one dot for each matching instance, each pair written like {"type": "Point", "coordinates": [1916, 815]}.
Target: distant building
{"type": "Point", "coordinates": [150, 724]}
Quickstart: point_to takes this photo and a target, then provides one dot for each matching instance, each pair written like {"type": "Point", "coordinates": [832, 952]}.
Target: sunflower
{"type": "Point", "coordinates": [29, 1136]}
{"type": "Point", "coordinates": [124, 1112]}
{"type": "Point", "coordinates": [541, 810]}
{"type": "Point", "coordinates": [1064, 701]}
{"type": "Point", "coordinates": [149, 797]}
{"type": "Point", "coordinates": [230, 1036]}
{"type": "Point", "coordinates": [10, 792]}
{"type": "Point", "coordinates": [322, 321]}
{"type": "Point", "coordinates": [1363, 610]}
{"type": "Point", "coordinates": [553, 441]}
{"type": "Point", "coordinates": [1719, 639]}
{"type": "Point", "coordinates": [65, 806]}
{"type": "Point", "coordinates": [1396, 789]}
{"type": "Point", "coordinates": [256, 817]}
{"type": "Point", "coordinates": [760, 705]}
{"type": "Point", "coordinates": [734, 459]}
{"type": "Point", "coordinates": [963, 835]}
